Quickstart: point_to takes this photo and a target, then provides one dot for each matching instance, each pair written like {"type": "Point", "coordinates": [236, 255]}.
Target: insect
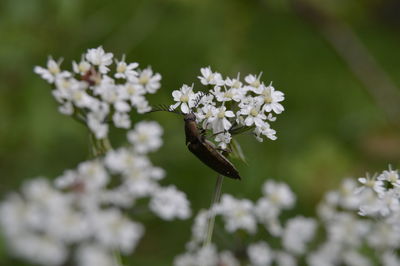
{"type": "Point", "coordinates": [201, 147]}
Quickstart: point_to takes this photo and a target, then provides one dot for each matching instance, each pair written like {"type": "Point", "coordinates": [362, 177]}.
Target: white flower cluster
{"type": "Point", "coordinates": [83, 215]}
{"type": "Point", "coordinates": [94, 96]}
{"type": "Point", "coordinates": [246, 216]}
{"type": "Point", "coordinates": [359, 219]}
{"type": "Point", "coordinates": [360, 225]}
{"type": "Point", "coordinates": [229, 105]}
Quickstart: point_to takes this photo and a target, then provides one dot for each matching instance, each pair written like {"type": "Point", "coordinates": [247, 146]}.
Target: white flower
{"type": "Point", "coordinates": [227, 94]}
{"type": "Point", "coordinates": [237, 214]}
{"type": "Point", "coordinates": [279, 194]}
{"type": "Point", "coordinates": [185, 260]}
{"type": "Point", "coordinates": [284, 259]}
{"type": "Point", "coordinates": [96, 125]}
{"type": "Point", "coordinates": [265, 130]}
{"type": "Point", "coordinates": [267, 214]}
{"type": "Point", "coordinates": [199, 228]}
{"type": "Point", "coordinates": [147, 80]}
{"type": "Point", "coordinates": [184, 97]}
{"type": "Point", "coordinates": [353, 258]}
{"type": "Point", "coordinates": [391, 176]}
{"type": "Point", "coordinates": [389, 258]}
{"type": "Point", "coordinates": [327, 254]}
{"type": "Point", "coordinates": [146, 136]}
{"type": "Point", "coordinates": [124, 70]}
{"type": "Point", "coordinates": [219, 122]}
{"type": "Point", "coordinates": [92, 175]}
{"type": "Point", "coordinates": [210, 78]}
{"type": "Point", "coordinates": [206, 113]}
{"type": "Point", "coordinates": [383, 236]}
{"type": "Point", "coordinates": [170, 203]}
{"type": "Point", "coordinates": [121, 120]}
{"type": "Point", "coordinates": [223, 139]}
{"type": "Point", "coordinates": [207, 256]}
{"type": "Point", "coordinates": [254, 82]}
{"type": "Point", "coordinates": [94, 255]}
{"type": "Point", "coordinates": [67, 108]}
{"type": "Point", "coordinates": [82, 67]}
{"type": "Point", "coordinates": [346, 229]}
{"type": "Point", "coordinates": [255, 116]}
{"type": "Point", "coordinates": [52, 72]}
{"type": "Point", "coordinates": [99, 58]}
{"type": "Point", "coordinates": [37, 249]}
{"type": "Point", "coordinates": [372, 183]}
{"type": "Point", "coordinates": [234, 83]}
{"type": "Point", "coordinates": [115, 231]}
{"type": "Point", "coordinates": [68, 225]}
{"type": "Point", "coordinates": [347, 196]}
{"type": "Point", "coordinates": [226, 258]}
{"type": "Point", "coordinates": [260, 254]}
{"type": "Point", "coordinates": [271, 98]}
{"type": "Point", "coordinates": [298, 232]}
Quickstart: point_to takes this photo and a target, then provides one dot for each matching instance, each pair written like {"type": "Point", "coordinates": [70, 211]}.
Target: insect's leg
{"type": "Point", "coordinates": [226, 150]}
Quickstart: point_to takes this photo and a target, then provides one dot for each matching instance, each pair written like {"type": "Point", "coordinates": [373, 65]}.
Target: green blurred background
{"type": "Point", "coordinates": [334, 125]}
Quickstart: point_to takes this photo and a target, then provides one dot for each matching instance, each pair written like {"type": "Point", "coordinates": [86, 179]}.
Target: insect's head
{"type": "Point", "coordinates": [189, 117]}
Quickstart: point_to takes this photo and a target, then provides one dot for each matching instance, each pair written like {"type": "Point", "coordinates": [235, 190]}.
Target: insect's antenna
{"type": "Point", "coordinates": [198, 98]}
{"type": "Point", "coordinates": [164, 108]}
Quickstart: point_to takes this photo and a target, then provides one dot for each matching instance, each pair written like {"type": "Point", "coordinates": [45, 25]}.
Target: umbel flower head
{"type": "Point", "coordinates": [97, 96]}
{"type": "Point", "coordinates": [87, 214]}
{"type": "Point", "coordinates": [228, 106]}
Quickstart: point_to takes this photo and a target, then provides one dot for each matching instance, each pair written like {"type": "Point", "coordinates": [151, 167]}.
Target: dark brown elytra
{"type": "Point", "coordinates": [201, 147]}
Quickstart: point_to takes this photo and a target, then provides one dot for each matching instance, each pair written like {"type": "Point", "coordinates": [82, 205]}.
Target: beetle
{"type": "Point", "coordinates": [202, 148]}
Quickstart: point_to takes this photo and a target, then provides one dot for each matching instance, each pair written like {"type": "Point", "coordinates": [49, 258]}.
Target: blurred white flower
{"type": "Point", "coordinates": [147, 80]}
{"type": "Point", "coordinates": [125, 70]}
{"type": "Point", "coordinates": [94, 255]}
{"type": "Point", "coordinates": [52, 72]}
{"type": "Point", "coordinates": [98, 57]}
{"type": "Point", "coordinates": [115, 231]}
{"type": "Point", "coordinates": [279, 194]}
{"type": "Point", "coordinates": [237, 214]}
{"type": "Point", "coordinates": [260, 254]}
{"type": "Point", "coordinates": [170, 203]}
{"type": "Point", "coordinates": [391, 176]}
{"type": "Point", "coordinates": [146, 136]}
{"type": "Point", "coordinates": [95, 98]}
{"type": "Point", "coordinates": [298, 232]}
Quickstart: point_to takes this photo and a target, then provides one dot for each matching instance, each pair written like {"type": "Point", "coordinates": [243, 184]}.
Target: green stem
{"type": "Point", "coordinates": [99, 147]}
{"type": "Point", "coordinates": [215, 200]}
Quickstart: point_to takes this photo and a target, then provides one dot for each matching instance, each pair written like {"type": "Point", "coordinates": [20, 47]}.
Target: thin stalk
{"type": "Point", "coordinates": [211, 220]}
{"type": "Point", "coordinates": [98, 147]}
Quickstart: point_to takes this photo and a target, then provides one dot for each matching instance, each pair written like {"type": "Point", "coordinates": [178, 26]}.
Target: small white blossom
{"type": "Point", "coordinates": [238, 214]}
{"type": "Point", "coordinates": [99, 58]}
{"type": "Point", "coordinates": [185, 98]}
{"type": "Point", "coordinates": [260, 254]}
{"type": "Point", "coordinates": [210, 78]}
{"type": "Point", "coordinates": [298, 232]}
{"type": "Point", "coordinates": [169, 203]}
{"type": "Point", "coordinates": [391, 176]}
{"type": "Point", "coordinates": [146, 137]}
{"type": "Point", "coordinates": [52, 72]}
{"type": "Point", "coordinates": [220, 121]}
{"type": "Point", "coordinates": [279, 194]}
{"type": "Point", "coordinates": [147, 80]}
{"type": "Point", "coordinates": [271, 99]}
{"type": "Point", "coordinates": [124, 70]}
{"type": "Point", "coordinates": [90, 255]}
